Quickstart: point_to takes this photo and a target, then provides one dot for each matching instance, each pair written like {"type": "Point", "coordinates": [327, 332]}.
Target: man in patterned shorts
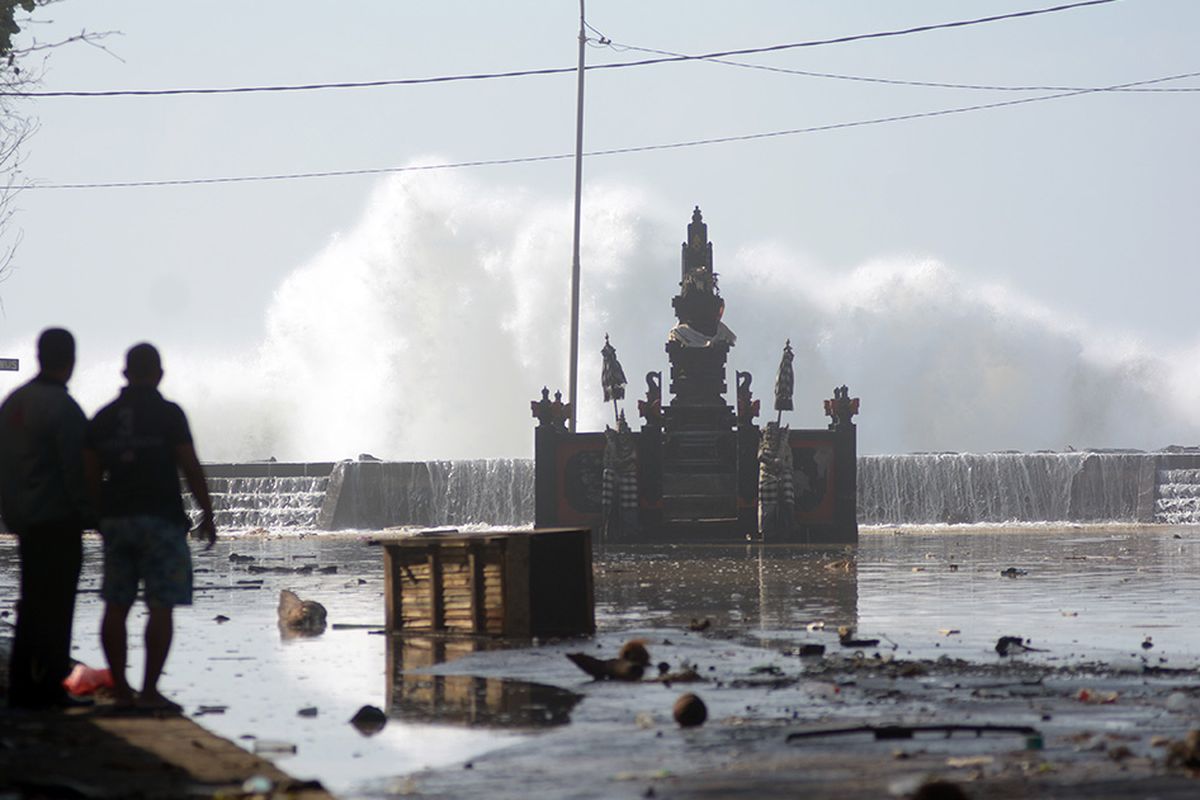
{"type": "Point", "coordinates": [136, 447]}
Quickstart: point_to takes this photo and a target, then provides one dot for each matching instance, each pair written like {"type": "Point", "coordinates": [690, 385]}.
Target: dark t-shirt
{"type": "Point", "coordinates": [135, 437]}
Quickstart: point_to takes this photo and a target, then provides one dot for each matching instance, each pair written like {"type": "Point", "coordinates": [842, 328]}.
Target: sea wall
{"type": "Point", "coordinates": [927, 488]}
{"type": "Point", "coordinates": [1005, 487]}
{"type": "Point", "coordinates": [379, 494]}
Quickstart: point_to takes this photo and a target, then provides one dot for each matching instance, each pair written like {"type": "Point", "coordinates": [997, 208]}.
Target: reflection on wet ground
{"type": "Point", "coordinates": [736, 616]}
{"type": "Point", "coordinates": [416, 696]}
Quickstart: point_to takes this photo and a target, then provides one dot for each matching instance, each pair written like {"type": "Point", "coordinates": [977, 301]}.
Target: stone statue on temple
{"type": "Point", "coordinates": [747, 406]}
{"type": "Point", "coordinates": [650, 409]}
{"type": "Point", "coordinates": [619, 492]}
{"type": "Point", "coordinates": [841, 409]}
{"type": "Point", "coordinates": [553, 414]}
{"type": "Point", "coordinates": [699, 305]}
{"type": "Point", "coordinates": [776, 487]}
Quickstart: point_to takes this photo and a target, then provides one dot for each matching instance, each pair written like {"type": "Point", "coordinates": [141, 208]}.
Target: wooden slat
{"type": "Point", "coordinates": [435, 587]}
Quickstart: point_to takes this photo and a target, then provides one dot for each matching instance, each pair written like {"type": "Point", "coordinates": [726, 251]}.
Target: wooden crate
{"type": "Point", "coordinates": [516, 583]}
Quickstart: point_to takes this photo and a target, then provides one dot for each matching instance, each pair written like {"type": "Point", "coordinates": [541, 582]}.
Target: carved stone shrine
{"type": "Point", "coordinates": [698, 457]}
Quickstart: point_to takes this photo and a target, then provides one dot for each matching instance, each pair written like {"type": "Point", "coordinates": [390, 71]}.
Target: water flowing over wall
{"type": "Point", "coordinates": [1177, 500]}
{"type": "Point", "coordinates": [916, 489]}
{"type": "Point", "coordinates": [1000, 487]}
{"type": "Point", "coordinates": [265, 495]}
{"type": "Point", "coordinates": [378, 494]}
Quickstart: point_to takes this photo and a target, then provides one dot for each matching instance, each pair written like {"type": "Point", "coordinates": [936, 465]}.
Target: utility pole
{"type": "Point", "coordinates": [571, 395]}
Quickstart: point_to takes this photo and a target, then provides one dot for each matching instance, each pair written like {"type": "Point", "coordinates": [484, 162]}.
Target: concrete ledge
{"type": "Point", "coordinates": [98, 754]}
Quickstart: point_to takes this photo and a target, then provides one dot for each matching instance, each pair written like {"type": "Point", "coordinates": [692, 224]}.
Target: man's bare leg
{"type": "Point", "coordinates": [159, 629]}
{"type": "Point", "coordinates": [113, 640]}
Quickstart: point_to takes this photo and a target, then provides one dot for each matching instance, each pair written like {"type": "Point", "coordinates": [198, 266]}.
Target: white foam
{"type": "Point", "coordinates": [425, 330]}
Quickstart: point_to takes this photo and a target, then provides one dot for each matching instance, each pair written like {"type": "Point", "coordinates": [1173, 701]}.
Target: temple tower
{"type": "Point", "coordinates": [699, 445]}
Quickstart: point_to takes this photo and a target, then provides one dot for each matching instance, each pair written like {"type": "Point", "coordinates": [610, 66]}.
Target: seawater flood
{"type": "Point", "coordinates": [469, 717]}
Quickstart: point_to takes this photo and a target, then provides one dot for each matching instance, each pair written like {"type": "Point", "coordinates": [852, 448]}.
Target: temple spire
{"type": "Point", "coordinates": [697, 250]}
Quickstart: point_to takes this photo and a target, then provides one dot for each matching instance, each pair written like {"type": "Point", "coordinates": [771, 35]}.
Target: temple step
{"type": "Point", "coordinates": [701, 530]}
{"type": "Point", "coordinates": [699, 507]}
{"type": "Point", "coordinates": [707, 482]}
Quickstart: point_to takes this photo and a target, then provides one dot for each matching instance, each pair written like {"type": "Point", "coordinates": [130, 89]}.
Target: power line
{"type": "Point", "coordinates": [611, 151]}
{"type": "Point", "coordinates": [620, 46]}
{"type": "Point", "coordinates": [554, 70]}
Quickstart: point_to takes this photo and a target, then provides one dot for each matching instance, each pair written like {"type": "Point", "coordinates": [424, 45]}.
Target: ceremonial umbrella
{"type": "Point", "coordinates": [612, 377]}
{"type": "Point", "coordinates": [784, 383]}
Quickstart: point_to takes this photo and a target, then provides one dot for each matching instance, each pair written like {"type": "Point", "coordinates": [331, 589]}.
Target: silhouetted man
{"type": "Point", "coordinates": [136, 447]}
{"type": "Point", "coordinates": [42, 501]}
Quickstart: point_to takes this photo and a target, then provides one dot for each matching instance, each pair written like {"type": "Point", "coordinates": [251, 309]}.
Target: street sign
{"type": "Point", "coordinates": [9, 364]}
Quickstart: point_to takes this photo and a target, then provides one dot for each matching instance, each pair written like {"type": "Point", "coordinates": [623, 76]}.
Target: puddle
{"type": "Point", "coordinates": [1081, 597]}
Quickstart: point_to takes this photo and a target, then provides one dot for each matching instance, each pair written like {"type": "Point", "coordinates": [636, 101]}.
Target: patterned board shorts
{"type": "Point", "coordinates": [150, 550]}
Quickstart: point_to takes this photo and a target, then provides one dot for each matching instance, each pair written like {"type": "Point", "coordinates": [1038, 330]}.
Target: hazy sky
{"type": "Point", "coordinates": [1086, 205]}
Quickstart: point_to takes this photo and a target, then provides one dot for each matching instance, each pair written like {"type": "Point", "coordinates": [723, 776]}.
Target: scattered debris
{"type": "Point", "coordinates": [369, 720]}
{"type": "Point", "coordinates": [889, 732]}
{"type": "Point", "coordinates": [766, 669]}
{"type": "Point", "coordinates": [939, 790]}
{"type": "Point", "coordinates": [1015, 645]}
{"type": "Point", "coordinates": [307, 711]}
{"type": "Point", "coordinates": [809, 650]}
{"type": "Point", "coordinates": [85, 680]}
{"type": "Point", "coordinates": [1147, 644]}
{"type": "Point", "coordinates": [1096, 698]}
{"type": "Point", "coordinates": [257, 784]}
{"type": "Point", "coordinates": [220, 618]}
{"type": "Point", "coordinates": [204, 711]}
{"type": "Point", "coordinates": [618, 669]}
{"type": "Point", "coordinates": [689, 711]}
{"type": "Point", "coordinates": [273, 747]}
{"type": "Point", "coordinates": [239, 559]}
{"type": "Point", "coordinates": [949, 631]}
{"type": "Point", "coordinates": [846, 638]}
{"type": "Point", "coordinates": [635, 650]}
{"type": "Point", "coordinates": [1120, 753]}
{"type": "Point", "coordinates": [699, 625]}
{"type": "Point", "coordinates": [302, 617]}
{"type": "Point", "coordinates": [685, 674]}
{"type": "Point", "coordinates": [1178, 701]}
{"type": "Point", "coordinates": [1185, 753]}
{"type": "Point", "coordinates": [1013, 572]}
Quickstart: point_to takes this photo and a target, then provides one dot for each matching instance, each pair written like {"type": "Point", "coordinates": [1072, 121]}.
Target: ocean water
{"type": "Point", "coordinates": [1084, 596]}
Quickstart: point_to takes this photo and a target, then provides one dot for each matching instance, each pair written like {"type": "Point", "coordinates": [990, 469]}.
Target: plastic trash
{"type": "Point", "coordinates": [257, 784]}
{"type": "Point", "coordinates": [85, 680]}
{"type": "Point", "coordinates": [273, 747]}
{"type": "Point", "coordinates": [1178, 701]}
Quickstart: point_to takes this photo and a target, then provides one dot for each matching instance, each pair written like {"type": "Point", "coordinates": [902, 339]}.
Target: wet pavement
{"type": "Point", "coordinates": [469, 718]}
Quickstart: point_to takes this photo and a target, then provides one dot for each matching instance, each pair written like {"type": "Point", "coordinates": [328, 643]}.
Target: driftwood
{"type": "Point", "coordinates": [908, 731]}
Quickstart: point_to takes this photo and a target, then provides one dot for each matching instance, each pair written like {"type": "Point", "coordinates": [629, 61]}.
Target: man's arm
{"type": "Point", "coordinates": [193, 473]}
{"type": "Point", "coordinates": [92, 476]}
{"type": "Point", "coordinates": [69, 438]}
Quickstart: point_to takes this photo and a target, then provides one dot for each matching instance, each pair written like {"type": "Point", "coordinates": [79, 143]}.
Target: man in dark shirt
{"type": "Point", "coordinates": [42, 501]}
{"type": "Point", "coordinates": [136, 447]}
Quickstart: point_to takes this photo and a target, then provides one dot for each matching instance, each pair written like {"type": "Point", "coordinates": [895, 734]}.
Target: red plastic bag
{"type": "Point", "coordinates": [84, 680]}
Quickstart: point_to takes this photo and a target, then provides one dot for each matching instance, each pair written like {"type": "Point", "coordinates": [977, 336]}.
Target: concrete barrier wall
{"type": "Point", "coordinates": [907, 489]}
